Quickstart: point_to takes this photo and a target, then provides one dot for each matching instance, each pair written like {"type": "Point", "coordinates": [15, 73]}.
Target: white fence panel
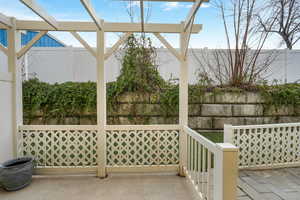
{"type": "Point", "coordinates": [266, 146]}
{"type": "Point", "coordinates": [127, 147]}
{"type": "Point", "coordinates": [59, 146]}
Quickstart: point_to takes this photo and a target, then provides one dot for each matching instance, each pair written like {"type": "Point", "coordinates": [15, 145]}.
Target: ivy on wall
{"type": "Point", "coordinates": [58, 100]}
{"type": "Point", "coordinates": [281, 95]}
{"type": "Point", "coordinates": [79, 99]}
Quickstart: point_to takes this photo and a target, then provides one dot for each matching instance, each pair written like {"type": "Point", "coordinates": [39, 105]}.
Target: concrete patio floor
{"type": "Point", "coordinates": [115, 187]}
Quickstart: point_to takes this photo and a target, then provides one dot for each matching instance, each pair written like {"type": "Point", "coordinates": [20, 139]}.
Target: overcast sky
{"type": "Point", "coordinates": [212, 35]}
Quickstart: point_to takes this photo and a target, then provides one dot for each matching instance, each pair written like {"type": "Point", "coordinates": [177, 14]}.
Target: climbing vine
{"type": "Point", "coordinates": [79, 99]}
{"type": "Point", "coordinates": [58, 100]}
{"type": "Point", "coordinates": [281, 95]}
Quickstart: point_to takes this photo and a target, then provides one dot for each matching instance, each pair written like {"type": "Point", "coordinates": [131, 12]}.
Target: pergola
{"type": "Point", "coordinates": [14, 51]}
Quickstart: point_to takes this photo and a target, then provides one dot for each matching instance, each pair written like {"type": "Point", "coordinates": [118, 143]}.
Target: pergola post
{"type": "Point", "coordinates": [101, 104]}
{"type": "Point", "coordinates": [183, 102]}
{"type": "Point", "coordinates": [14, 45]}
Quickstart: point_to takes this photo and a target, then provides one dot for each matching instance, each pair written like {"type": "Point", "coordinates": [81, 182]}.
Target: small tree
{"type": "Point", "coordinates": [139, 71]}
{"type": "Point", "coordinates": [241, 63]}
{"type": "Point", "coordinates": [284, 15]}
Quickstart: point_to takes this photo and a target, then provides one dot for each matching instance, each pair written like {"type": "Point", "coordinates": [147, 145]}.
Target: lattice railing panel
{"type": "Point", "coordinates": [58, 146]}
{"type": "Point", "coordinates": [142, 147]}
{"type": "Point", "coordinates": [267, 145]}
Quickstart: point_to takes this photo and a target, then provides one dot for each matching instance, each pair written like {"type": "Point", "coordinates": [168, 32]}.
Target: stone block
{"type": "Point", "coordinates": [207, 97]}
{"type": "Point", "coordinates": [230, 97]}
{"type": "Point", "coordinates": [125, 109]}
{"type": "Point", "coordinates": [148, 109]}
{"type": "Point", "coordinates": [130, 97]}
{"type": "Point", "coordinates": [194, 109]}
{"type": "Point", "coordinates": [216, 110]}
{"type": "Point", "coordinates": [297, 109]}
{"type": "Point", "coordinates": [200, 122]}
{"type": "Point", "coordinates": [171, 120]}
{"type": "Point", "coordinates": [113, 111]}
{"type": "Point", "coordinates": [270, 120]}
{"type": "Point", "coordinates": [283, 110]}
{"type": "Point", "coordinates": [112, 120]}
{"type": "Point", "coordinates": [71, 121]}
{"type": "Point", "coordinates": [218, 122]}
{"type": "Point", "coordinates": [254, 97]}
{"type": "Point", "coordinates": [254, 120]}
{"type": "Point", "coordinates": [291, 119]}
{"type": "Point", "coordinates": [124, 121]}
{"type": "Point", "coordinates": [163, 120]}
{"type": "Point", "coordinates": [36, 121]}
{"type": "Point", "coordinates": [156, 120]}
{"type": "Point", "coordinates": [247, 110]}
{"type": "Point", "coordinates": [88, 120]}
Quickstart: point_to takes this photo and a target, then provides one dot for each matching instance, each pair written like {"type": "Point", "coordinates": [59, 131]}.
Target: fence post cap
{"type": "Point", "coordinates": [227, 147]}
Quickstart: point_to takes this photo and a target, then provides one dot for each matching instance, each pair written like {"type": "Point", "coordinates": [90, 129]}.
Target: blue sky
{"type": "Point", "coordinates": [212, 35]}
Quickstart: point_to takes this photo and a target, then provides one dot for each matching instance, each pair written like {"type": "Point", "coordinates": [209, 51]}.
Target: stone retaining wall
{"type": "Point", "coordinates": [207, 113]}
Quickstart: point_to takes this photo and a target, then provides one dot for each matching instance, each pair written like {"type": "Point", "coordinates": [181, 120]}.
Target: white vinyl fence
{"type": "Point", "coordinates": [76, 64]}
{"type": "Point", "coordinates": [265, 146]}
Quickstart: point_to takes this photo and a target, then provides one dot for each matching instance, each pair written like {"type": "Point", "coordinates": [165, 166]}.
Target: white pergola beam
{"type": "Point", "coordinates": [187, 38]}
{"type": "Point", "coordinates": [107, 26]}
{"type": "Point", "coordinates": [5, 21]}
{"type": "Point", "coordinates": [36, 8]}
{"type": "Point", "coordinates": [89, 8]}
{"type": "Point", "coordinates": [31, 43]}
{"type": "Point", "coordinates": [168, 46]}
{"type": "Point", "coordinates": [84, 43]}
{"type": "Point", "coordinates": [3, 49]}
{"type": "Point", "coordinates": [121, 41]}
{"type": "Point", "coordinates": [192, 13]}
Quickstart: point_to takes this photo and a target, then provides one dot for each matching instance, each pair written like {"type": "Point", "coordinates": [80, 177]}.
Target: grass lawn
{"type": "Point", "coordinates": [214, 137]}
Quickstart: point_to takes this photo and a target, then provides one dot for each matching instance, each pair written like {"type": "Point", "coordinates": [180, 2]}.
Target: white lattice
{"type": "Point", "coordinates": [142, 147]}
{"type": "Point", "coordinates": [77, 146]}
{"type": "Point", "coordinates": [268, 145]}
{"type": "Point", "coordinates": [59, 146]}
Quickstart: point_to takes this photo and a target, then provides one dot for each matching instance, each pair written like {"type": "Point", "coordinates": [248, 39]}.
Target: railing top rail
{"type": "Point", "coordinates": [267, 126]}
{"type": "Point", "coordinates": [95, 127]}
{"type": "Point", "coordinates": [143, 127]}
{"type": "Point", "coordinates": [58, 127]}
{"type": "Point", "coordinates": [201, 139]}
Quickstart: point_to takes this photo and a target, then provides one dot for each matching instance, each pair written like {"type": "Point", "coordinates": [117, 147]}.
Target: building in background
{"type": "Point", "coordinates": [26, 36]}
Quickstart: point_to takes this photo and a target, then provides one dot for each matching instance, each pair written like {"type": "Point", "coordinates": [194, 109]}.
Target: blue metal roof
{"type": "Point", "coordinates": [3, 37]}
{"type": "Point", "coordinates": [45, 41]}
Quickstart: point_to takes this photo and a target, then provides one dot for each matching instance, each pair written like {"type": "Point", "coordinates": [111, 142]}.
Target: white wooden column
{"type": "Point", "coordinates": [14, 45]}
{"type": "Point", "coordinates": [183, 101]}
{"type": "Point", "coordinates": [101, 104]}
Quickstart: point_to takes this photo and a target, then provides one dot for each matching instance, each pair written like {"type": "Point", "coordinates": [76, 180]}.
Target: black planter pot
{"type": "Point", "coordinates": [16, 174]}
